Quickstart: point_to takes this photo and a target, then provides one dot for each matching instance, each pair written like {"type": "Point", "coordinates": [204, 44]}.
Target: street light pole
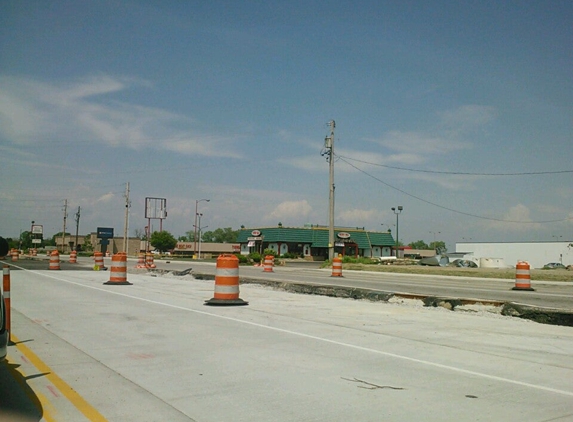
{"type": "Point", "coordinates": [397, 211]}
{"type": "Point", "coordinates": [195, 226]}
{"type": "Point", "coordinates": [199, 215]}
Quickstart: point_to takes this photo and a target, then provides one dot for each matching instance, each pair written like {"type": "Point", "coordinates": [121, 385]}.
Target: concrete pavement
{"type": "Point", "coordinates": [153, 351]}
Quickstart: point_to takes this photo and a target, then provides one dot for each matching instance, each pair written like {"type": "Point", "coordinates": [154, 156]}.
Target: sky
{"type": "Point", "coordinates": [460, 112]}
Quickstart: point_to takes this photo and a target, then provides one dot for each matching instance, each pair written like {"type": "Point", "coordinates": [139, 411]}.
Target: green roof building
{"type": "Point", "coordinates": [311, 242]}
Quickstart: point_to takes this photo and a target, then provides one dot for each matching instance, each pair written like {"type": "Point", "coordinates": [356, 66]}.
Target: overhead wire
{"type": "Point", "coordinates": [460, 173]}
{"type": "Point", "coordinates": [341, 158]}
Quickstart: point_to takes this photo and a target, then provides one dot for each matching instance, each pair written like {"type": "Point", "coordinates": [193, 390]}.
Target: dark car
{"type": "Point", "coordinates": [553, 265]}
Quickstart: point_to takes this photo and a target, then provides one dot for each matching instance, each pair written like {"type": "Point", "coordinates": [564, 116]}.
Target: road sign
{"type": "Point", "coordinates": [105, 232]}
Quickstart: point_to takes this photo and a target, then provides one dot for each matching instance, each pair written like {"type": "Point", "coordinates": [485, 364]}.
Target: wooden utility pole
{"type": "Point", "coordinates": [329, 145]}
{"type": "Point", "coordinates": [77, 226]}
{"type": "Point", "coordinates": [125, 225]}
{"type": "Point", "coordinates": [64, 229]}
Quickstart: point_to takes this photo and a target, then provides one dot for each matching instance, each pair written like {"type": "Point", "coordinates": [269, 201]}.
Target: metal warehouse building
{"type": "Point", "coordinates": [536, 253]}
{"type": "Point", "coordinates": [311, 242]}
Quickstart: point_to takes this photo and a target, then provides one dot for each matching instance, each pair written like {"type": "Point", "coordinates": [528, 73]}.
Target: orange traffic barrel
{"type": "Point", "coordinates": [522, 277]}
{"type": "Point", "coordinates": [6, 288]}
{"type": "Point", "coordinates": [268, 264]}
{"type": "Point", "coordinates": [226, 282]}
{"type": "Point", "coordinates": [34, 252]}
{"type": "Point", "coordinates": [140, 261]}
{"type": "Point", "coordinates": [99, 264]}
{"type": "Point", "coordinates": [15, 253]}
{"type": "Point", "coordinates": [149, 260]}
{"type": "Point", "coordinates": [54, 260]}
{"type": "Point", "coordinates": [118, 272]}
{"type": "Point", "coordinates": [73, 257]}
{"type": "Point", "coordinates": [336, 267]}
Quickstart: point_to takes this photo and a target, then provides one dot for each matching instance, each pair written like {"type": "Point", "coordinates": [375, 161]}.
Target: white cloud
{"type": "Point", "coordinates": [36, 112]}
{"type": "Point", "coordinates": [355, 215]}
{"type": "Point", "coordinates": [516, 219]}
{"type": "Point", "coordinates": [108, 197]}
{"type": "Point", "coordinates": [288, 209]}
{"type": "Point", "coordinates": [465, 118]}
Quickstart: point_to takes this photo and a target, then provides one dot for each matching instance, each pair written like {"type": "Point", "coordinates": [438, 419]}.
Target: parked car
{"type": "Point", "coordinates": [553, 265]}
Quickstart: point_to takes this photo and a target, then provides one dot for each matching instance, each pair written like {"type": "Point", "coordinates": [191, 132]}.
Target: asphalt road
{"type": "Point", "coordinates": [557, 295]}
{"type": "Point", "coordinates": [84, 350]}
{"type": "Point", "coordinates": [547, 294]}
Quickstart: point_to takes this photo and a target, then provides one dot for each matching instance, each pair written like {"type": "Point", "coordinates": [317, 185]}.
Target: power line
{"type": "Point", "coordinates": [446, 208]}
{"type": "Point", "coordinates": [529, 173]}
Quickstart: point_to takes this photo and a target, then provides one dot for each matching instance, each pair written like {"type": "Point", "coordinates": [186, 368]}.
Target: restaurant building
{"type": "Point", "coordinates": [311, 241]}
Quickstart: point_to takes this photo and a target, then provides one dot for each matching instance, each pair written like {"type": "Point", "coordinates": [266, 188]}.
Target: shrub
{"type": "Point", "coordinates": [255, 257]}
{"type": "Point", "coordinates": [243, 259]}
{"type": "Point", "coordinates": [270, 252]}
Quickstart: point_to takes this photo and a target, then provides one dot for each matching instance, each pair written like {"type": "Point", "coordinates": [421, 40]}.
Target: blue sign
{"type": "Point", "coordinates": [105, 232]}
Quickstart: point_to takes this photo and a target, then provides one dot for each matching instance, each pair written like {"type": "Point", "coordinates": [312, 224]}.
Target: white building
{"type": "Point", "coordinates": [536, 253]}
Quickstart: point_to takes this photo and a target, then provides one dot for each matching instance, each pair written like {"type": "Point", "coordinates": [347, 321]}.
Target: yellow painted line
{"type": "Point", "coordinates": [46, 414]}
{"type": "Point", "coordinates": [78, 401]}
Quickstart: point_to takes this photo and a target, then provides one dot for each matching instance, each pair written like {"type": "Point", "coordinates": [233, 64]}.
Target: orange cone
{"type": "Point", "coordinates": [522, 277]}
{"type": "Point", "coordinates": [226, 282]}
{"type": "Point", "coordinates": [118, 272]}
{"type": "Point", "coordinates": [268, 265]}
{"type": "Point", "coordinates": [99, 264]}
{"type": "Point", "coordinates": [54, 260]}
{"type": "Point", "coordinates": [149, 260]}
{"type": "Point", "coordinates": [140, 261]}
{"type": "Point", "coordinates": [336, 267]}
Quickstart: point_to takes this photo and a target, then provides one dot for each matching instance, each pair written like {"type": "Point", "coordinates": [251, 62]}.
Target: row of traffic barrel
{"type": "Point", "coordinates": [522, 274]}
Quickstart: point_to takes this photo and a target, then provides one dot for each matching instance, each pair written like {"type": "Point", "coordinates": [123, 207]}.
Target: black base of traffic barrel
{"type": "Point", "coordinates": [119, 283]}
{"type": "Point", "coordinates": [226, 302]}
{"type": "Point", "coordinates": [527, 289]}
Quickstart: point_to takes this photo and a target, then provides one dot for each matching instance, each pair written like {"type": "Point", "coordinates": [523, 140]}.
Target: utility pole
{"type": "Point", "coordinates": [77, 226]}
{"type": "Point", "coordinates": [64, 230]}
{"type": "Point", "coordinates": [329, 146]}
{"type": "Point", "coordinates": [125, 225]}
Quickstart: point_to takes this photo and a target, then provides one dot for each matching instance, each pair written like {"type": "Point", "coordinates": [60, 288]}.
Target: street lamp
{"type": "Point", "coordinates": [397, 211]}
{"type": "Point", "coordinates": [195, 226]}
{"type": "Point", "coordinates": [199, 228]}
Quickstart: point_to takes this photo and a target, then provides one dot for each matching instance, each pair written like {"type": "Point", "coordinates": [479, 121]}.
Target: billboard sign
{"type": "Point", "coordinates": [37, 229]}
{"type": "Point", "coordinates": [156, 208]}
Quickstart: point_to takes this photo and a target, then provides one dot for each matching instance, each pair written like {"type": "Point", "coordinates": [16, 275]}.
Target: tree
{"type": "Point", "coordinates": [439, 245]}
{"type": "Point", "coordinates": [26, 239]}
{"type": "Point", "coordinates": [419, 244]}
{"type": "Point", "coordinates": [56, 239]}
{"type": "Point", "coordinates": [163, 241]}
{"type": "Point", "coordinates": [87, 246]}
{"type": "Point", "coordinates": [226, 235]}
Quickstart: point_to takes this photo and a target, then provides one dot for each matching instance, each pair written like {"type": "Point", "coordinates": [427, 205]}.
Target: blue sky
{"type": "Point", "coordinates": [460, 112]}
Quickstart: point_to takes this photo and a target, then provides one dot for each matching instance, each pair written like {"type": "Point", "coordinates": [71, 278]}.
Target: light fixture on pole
{"type": "Point", "coordinates": [195, 225]}
{"type": "Point", "coordinates": [397, 211]}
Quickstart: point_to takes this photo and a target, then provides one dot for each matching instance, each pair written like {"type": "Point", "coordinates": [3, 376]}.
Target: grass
{"type": "Point", "coordinates": [503, 273]}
